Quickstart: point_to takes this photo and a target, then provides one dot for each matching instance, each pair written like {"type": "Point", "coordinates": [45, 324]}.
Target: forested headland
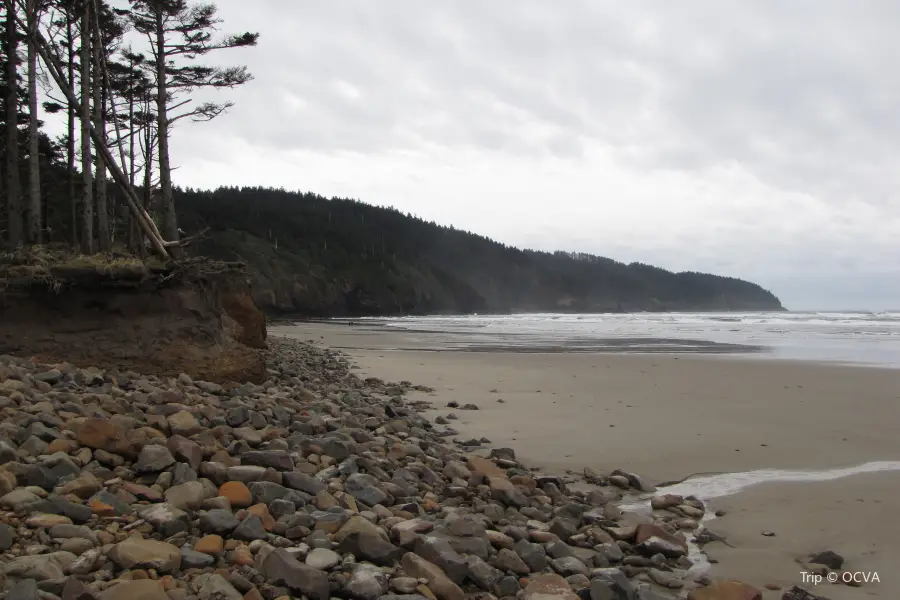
{"type": "Point", "coordinates": [122, 77]}
{"type": "Point", "coordinates": [317, 256]}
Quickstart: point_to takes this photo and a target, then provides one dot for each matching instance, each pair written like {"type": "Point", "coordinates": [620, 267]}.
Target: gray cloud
{"type": "Point", "coordinates": [749, 138]}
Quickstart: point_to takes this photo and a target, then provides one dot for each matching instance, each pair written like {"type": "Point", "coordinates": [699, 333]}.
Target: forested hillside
{"type": "Point", "coordinates": [316, 256]}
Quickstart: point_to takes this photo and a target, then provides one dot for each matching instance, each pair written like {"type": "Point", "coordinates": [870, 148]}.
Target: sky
{"type": "Point", "coordinates": [751, 139]}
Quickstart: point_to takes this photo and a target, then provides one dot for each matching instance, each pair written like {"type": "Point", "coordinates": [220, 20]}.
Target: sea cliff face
{"type": "Point", "coordinates": [130, 317]}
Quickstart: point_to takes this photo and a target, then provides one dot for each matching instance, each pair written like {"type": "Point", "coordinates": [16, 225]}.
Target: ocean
{"type": "Point", "coordinates": [864, 338]}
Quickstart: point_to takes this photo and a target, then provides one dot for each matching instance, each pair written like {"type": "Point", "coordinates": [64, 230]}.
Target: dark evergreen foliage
{"type": "Point", "coordinates": [317, 256]}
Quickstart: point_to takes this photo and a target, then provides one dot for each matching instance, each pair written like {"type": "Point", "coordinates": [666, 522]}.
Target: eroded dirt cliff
{"type": "Point", "coordinates": [117, 313]}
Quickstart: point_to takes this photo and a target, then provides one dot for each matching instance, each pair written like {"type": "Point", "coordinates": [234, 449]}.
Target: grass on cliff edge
{"type": "Point", "coordinates": [60, 266]}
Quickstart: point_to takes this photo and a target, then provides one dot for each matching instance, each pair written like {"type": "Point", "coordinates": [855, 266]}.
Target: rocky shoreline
{"type": "Point", "coordinates": [316, 483]}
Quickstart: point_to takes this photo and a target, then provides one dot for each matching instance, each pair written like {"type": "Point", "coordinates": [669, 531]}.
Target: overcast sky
{"type": "Point", "coordinates": [756, 139]}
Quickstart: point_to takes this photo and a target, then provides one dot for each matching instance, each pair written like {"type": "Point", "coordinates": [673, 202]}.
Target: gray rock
{"type": "Point", "coordinates": [218, 521]}
{"type": "Point", "coordinates": [828, 558]}
{"type": "Point", "coordinates": [166, 519]}
{"type": "Point", "coordinates": [372, 547]}
{"type": "Point", "coordinates": [215, 587]}
{"type": "Point", "coordinates": [367, 582]}
{"type": "Point", "coordinates": [139, 553]}
{"type": "Point", "coordinates": [251, 528]}
{"type": "Point", "coordinates": [323, 559]}
{"type": "Point", "coordinates": [153, 459]}
{"type": "Point", "coordinates": [7, 537]}
{"type": "Point", "coordinates": [281, 568]}
{"type": "Point", "coordinates": [438, 552]}
{"type": "Point", "coordinates": [276, 459]}
{"type": "Point", "coordinates": [191, 559]}
{"type": "Point", "coordinates": [187, 496]}
{"type": "Point", "coordinates": [303, 482]}
{"type": "Point", "coordinates": [532, 554]}
{"type": "Point", "coordinates": [484, 575]}
{"type": "Point", "coordinates": [611, 584]}
{"type": "Point", "coordinates": [25, 589]}
{"type": "Point", "coordinates": [509, 561]}
{"type": "Point", "coordinates": [40, 567]}
{"type": "Point", "coordinates": [569, 565]}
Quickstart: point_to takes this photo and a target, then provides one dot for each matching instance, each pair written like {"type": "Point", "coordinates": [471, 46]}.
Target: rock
{"type": "Point", "coordinates": [482, 574]}
{"type": "Point", "coordinates": [323, 559]}
{"type": "Point", "coordinates": [798, 593]}
{"type": "Point", "coordinates": [184, 423]}
{"type": "Point", "coordinates": [218, 521]}
{"type": "Point", "coordinates": [84, 486]}
{"type": "Point", "coordinates": [25, 589]}
{"type": "Point", "coordinates": [303, 482]}
{"type": "Point", "coordinates": [194, 559]}
{"type": "Point", "coordinates": [665, 501]}
{"type": "Point", "coordinates": [533, 556]}
{"type": "Point", "coordinates": [652, 539]}
{"type": "Point", "coordinates": [140, 589]}
{"type": "Point", "coordinates": [154, 459]}
{"type": "Point", "coordinates": [281, 568]}
{"type": "Point", "coordinates": [726, 590]}
{"type": "Point", "coordinates": [101, 434]}
{"type": "Point", "coordinates": [136, 552]}
{"type": "Point", "coordinates": [828, 558]}
{"type": "Point", "coordinates": [7, 537]}
{"type": "Point", "coordinates": [372, 547]}
{"type": "Point", "coordinates": [367, 582]}
{"type": "Point", "coordinates": [549, 587]}
{"type": "Point", "coordinates": [251, 528]}
{"type": "Point", "coordinates": [187, 496]}
{"type": "Point", "coordinates": [358, 524]}
{"type": "Point", "coordinates": [40, 567]}
{"type": "Point", "coordinates": [438, 582]}
{"type": "Point", "coordinates": [507, 560]}
{"type": "Point", "coordinates": [166, 519]}
{"type": "Point", "coordinates": [569, 565]}
{"type": "Point", "coordinates": [215, 587]}
{"type": "Point", "coordinates": [610, 584]}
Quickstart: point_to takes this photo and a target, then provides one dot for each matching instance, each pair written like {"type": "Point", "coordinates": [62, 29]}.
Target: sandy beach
{"type": "Point", "coordinates": [667, 417]}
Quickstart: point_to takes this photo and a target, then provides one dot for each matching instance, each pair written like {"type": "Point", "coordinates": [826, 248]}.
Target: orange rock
{"type": "Point", "coordinates": [241, 556]}
{"type": "Point", "coordinates": [66, 446]}
{"type": "Point", "coordinates": [482, 466]}
{"type": "Point", "coordinates": [210, 544]}
{"type": "Point", "coordinates": [549, 587]}
{"type": "Point", "coordinates": [253, 594]}
{"type": "Point", "coordinates": [101, 509]}
{"type": "Point", "coordinates": [262, 511]}
{"type": "Point", "coordinates": [646, 531]}
{"type": "Point", "coordinates": [237, 493]}
{"type": "Point", "coordinates": [726, 590]}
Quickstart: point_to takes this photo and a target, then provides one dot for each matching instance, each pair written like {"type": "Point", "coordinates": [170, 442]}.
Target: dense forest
{"type": "Point", "coordinates": [316, 256]}
{"type": "Point", "coordinates": [122, 77]}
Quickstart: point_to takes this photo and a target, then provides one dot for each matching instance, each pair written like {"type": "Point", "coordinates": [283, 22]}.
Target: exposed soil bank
{"type": "Point", "coordinates": [198, 318]}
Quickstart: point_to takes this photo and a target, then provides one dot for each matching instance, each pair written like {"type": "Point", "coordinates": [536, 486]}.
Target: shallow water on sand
{"type": "Point", "coordinates": [848, 337]}
{"type": "Point", "coordinates": [710, 487]}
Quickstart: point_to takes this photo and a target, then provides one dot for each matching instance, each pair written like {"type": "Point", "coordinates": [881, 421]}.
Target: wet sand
{"type": "Point", "coordinates": [667, 417]}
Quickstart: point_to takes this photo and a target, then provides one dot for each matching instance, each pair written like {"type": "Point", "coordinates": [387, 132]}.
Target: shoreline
{"type": "Point", "coordinates": [759, 560]}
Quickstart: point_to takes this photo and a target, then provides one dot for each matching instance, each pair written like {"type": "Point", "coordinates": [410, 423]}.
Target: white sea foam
{"type": "Point", "coordinates": [710, 487]}
{"type": "Point", "coordinates": [853, 337]}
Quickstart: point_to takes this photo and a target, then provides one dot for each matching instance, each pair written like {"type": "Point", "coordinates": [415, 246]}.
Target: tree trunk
{"type": "Point", "coordinates": [87, 198]}
{"type": "Point", "coordinates": [170, 219]}
{"type": "Point", "coordinates": [70, 112]}
{"type": "Point", "coordinates": [13, 185]}
{"type": "Point", "coordinates": [35, 230]}
{"type": "Point", "coordinates": [134, 235]}
{"type": "Point", "coordinates": [103, 232]}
